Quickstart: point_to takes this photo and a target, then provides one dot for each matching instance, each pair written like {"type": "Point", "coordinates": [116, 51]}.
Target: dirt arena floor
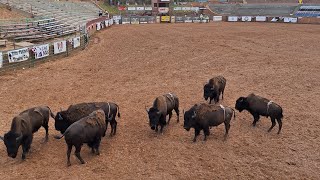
{"type": "Point", "coordinates": [131, 65]}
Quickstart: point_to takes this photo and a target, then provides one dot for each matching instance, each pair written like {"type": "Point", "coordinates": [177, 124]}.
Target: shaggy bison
{"type": "Point", "coordinates": [203, 116]}
{"type": "Point", "coordinates": [214, 88]}
{"type": "Point", "coordinates": [259, 106]}
{"type": "Point", "coordinates": [162, 106]}
{"type": "Point", "coordinates": [88, 130]}
{"type": "Point", "coordinates": [22, 128]}
{"type": "Point", "coordinates": [75, 112]}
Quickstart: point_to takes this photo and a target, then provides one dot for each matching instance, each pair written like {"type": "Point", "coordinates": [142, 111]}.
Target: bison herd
{"type": "Point", "coordinates": [86, 123]}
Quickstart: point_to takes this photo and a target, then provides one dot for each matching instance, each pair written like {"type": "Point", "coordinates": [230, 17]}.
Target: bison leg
{"type": "Point", "coordinates": [115, 127]}
{"type": "Point", "coordinates": [77, 153]}
{"type": "Point", "coordinates": [256, 118]}
{"type": "Point", "coordinates": [26, 146]}
{"type": "Point", "coordinates": [196, 134]}
{"type": "Point", "coordinates": [206, 133]}
{"type": "Point", "coordinates": [227, 127]}
{"type": "Point", "coordinates": [161, 128]}
{"type": "Point", "coordinates": [68, 154]}
{"type": "Point", "coordinates": [273, 124]}
{"type": "Point", "coordinates": [112, 128]}
{"type": "Point", "coordinates": [156, 128]}
{"type": "Point", "coordinates": [177, 112]}
{"type": "Point", "coordinates": [97, 145]}
{"type": "Point", "coordinates": [46, 127]}
{"type": "Point", "coordinates": [280, 124]}
{"type": "Point", "coordinates": [170, 115]}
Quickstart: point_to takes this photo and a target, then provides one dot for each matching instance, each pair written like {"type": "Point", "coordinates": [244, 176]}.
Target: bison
{"type": "Point", "coordinates": [22, 128]}
{"type": "Point", "coordinates": [204, 116]}
{"type": "Point", "coordinates": [162, 106]}
{"type": "Point", "coordinates": [214, 88]}
{"type": "Point", "coordinates": [75, 112]}
{"type": "Point", "coordinates": [259, 106]}
{"type": "Point", "coordinates": [88, 130]}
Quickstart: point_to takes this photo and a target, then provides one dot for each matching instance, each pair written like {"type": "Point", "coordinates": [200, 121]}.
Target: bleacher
{"type": "Point", "coordinates": [71, 13]}
{"type": "Point", "coordinates": [51, 19]}
{"type": "Point", "coordinates": [308, 11]}
{"type": "Point", "coordinates": [253, 9]}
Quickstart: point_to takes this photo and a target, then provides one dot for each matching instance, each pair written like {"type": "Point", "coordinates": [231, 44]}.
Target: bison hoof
{"type": "Point", "coordinates": [68, 164]}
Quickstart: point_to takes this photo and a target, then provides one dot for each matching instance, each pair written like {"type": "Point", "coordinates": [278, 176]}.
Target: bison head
{"type": "Point", "coordinates": [154, 117]}
{"type": "Point", "coordinates": [189, 119]}
{"type": "Point", "coordinates": [61, 124]}
{"type": "Point", "coordinates": [209, 92]}
{"type": "Point", "coordinates": [242, 104]}
{"type": "Point", "coordinates": [12, 141]}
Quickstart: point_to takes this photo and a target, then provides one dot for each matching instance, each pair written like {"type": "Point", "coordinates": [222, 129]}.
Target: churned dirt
{"type": "Point", "coordinates": [132, 65]}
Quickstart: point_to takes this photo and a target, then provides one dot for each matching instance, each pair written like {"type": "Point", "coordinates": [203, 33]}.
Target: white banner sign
{"type": "Point", "coordinates": [163, 10]}
{"type": "Point", "coordinates": [148, 8]}
{"type": "Point", "coordinates": [217, 18]}
{"type": "Point", "coordinates": [1, 60]}
{"type": "Point", "coordinates": [232, 18]}
{"type": "Point", "coordinates": [18, 55]}
{"type": "Point", "coordinates": [106, 22]}
{"type": "Point", "coordinates": [98, 26]}
{"type": "Point", "coordinates": [246, 18]}
{"type": "Point", "coordinates": [290, 20]}
{"type": "Point", "coordinates": [261, 18]}
{"type": "Point", "coordinates": [195, 9]}
{"type": "Point", "coordinates": [76, 42]}
{"type": "Point", "coordinates": [177, 8]}
{"type": "Point", "coordinates": [186, 8]}
{"type": "Point", "coordinates": [41, 51]}
{"type": "Point", "coordinates": [140, 8]}
{"type": "Point", "coordinates": [59, 47]}
{"type": "Point", "coordinates": [131, 8]}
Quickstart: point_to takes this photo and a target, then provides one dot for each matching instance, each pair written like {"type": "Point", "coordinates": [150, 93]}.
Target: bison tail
{"type": "Point", "coordinates": [234, 114]}
{"type": "Point", "coordinates": [118, 110]}
{"type": "Point", "coordinates": [51, 113]}
{"type": "Point", "coordinates": [58, 137]}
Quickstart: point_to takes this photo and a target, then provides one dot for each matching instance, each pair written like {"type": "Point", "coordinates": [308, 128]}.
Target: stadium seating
{"type": "Point", "coordinates": [308, 11]}
{"type": "Point", "coordinates": [52, 19]}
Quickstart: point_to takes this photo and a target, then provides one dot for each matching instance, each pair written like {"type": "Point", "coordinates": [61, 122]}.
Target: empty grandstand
{"type": "Point", "coordinates": [308, 11]}
{"type": "Point", "coordinates": [51, 19]}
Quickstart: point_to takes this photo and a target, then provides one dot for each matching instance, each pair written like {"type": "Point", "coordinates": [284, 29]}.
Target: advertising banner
{"type": "Point", "coordinates": [148, 8]}
{"type": "Point", "coordinates": [246, 18]}
{"type": "Point", "coordinates": [217, 18]}
{"type": "Point", "coordinates": [143, 20]}
{"type": "Point", "coordinates": [179, 19]}
{"type": "Point", "coordinates": [140, 8]}
{"type": "Point", "coordinates": [98, 26]}
{"type": "Point", "coordinates": [290, 20]}
{"type": "Point", "coordinates": [188, 19]}
{"type": "Point", "coordinates": [41, 51]}
{"type": "Point", "coordinates": [135, 20]}
{"type": "Point", "coordinates": [76, 42]}
{"type": "Point", "coordinates": [131, 8]}
{"type": "Point", "coordinates": [261, 18]}
{"type": "Point", "coordinates": [232, 18]}
{"type": "Point", "coordinates": [59, 47]}
{"type": "Point", "coordinates": [177, 8]}
{"type": "Point", "coordinates": [18, 55]}
{"type": "Point", "coordinates": [126, 20]}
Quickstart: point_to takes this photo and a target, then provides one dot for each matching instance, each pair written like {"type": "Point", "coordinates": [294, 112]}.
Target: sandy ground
{"type": "Point", "coordinates": [131, 65]}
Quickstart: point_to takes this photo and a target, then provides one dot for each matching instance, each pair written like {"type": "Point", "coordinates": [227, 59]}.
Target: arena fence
{"type": "Point", "coordinates": [27, 57]}
{"type": "Point", "coordinates": [207, 19]}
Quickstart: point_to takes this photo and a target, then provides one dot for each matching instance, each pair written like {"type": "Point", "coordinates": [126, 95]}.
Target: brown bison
{"type": "Point", "coordinates": [162, 106]}
{"type": "Point", "coordinates": [203, 116]}
{"type": "Point", "coordinates": [22, 128]}
{"type": "Point", "coordinates": [88, 130]}
{"type": "Point", "coordinates": [259, 106]}
{"type": "Point", "coordinates": [214, 88]}
{"type": "Point", "coordinates": [75, 112]}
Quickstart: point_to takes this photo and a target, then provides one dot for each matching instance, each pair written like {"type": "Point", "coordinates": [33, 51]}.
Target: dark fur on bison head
{"type": "Point", "coordinates": [61, 123]}
{"type": "Point", "coordinates": [189, 118]}
{"type": "Point", "coordinates": [12, 141]}
{"type": "Point", "coordinates": [242, 104]}
{"type": "Point", "coordinates": [154, 117]}
{"type": "Point", "coordinates": [209, 92]}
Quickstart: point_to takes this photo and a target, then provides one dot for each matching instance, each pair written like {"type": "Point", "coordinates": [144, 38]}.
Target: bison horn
{"type": "Point", "coordinates": [60, 109]}
{"type": "Point", "coordinates": [146, 109]}
{"type": "Point", "coordinates": [194, 114]}
{"type": "Point", "coordinates": [60, 117]}
{"type": "Point", "coordinates": [19, 138]}
{"type": "Point", "coordinates": [183, 111]}
{"type": "Point", "coordinates": [1, 138]}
